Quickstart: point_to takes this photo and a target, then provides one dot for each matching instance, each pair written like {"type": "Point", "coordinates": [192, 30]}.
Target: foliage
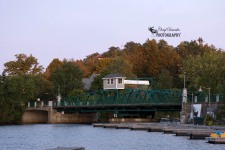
{"type": "Point", "coordinates": [113, 52]}
{"type": "Point", "coordinates": [209, 120]}
{"type": "Point", "coordinates": [76, 92]}
{"type": "Point", "coordinates": [55, 64]}
{"type": "Point", "coordinates": [165, 80]}
{"type": "Point", "coordinates": [90, 62]}
{"type": "Point", "coordinates": [17, 90]}
{"type": "Point", "coordinates": [22, 79]}
{"type": "Point", "coordinates": [207, 70]}
{"type": "Point", "coordinates": [67, 78]}
{"type": "Point", "coordinates": [83, 68]}
{"type": "Point", "coordinates": [122, 66]}
{"type": "Point", "coordinates": [102, 64]}
{"type": "Point", "coordinates": [97, 84]}
{"type": "Point", "coordinates": [23, 65]}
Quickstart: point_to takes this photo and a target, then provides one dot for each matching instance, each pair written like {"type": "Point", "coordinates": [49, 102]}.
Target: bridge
{"type": "Point", "coordinates": [122, 100]}
{"type": "Point", "coordinates": [123, 103]}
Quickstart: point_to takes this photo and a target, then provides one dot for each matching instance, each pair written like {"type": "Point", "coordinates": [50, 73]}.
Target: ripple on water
{"type": "Point", "coordinates": [45, 136]}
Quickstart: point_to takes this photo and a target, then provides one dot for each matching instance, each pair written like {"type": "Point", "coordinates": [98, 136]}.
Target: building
{"type": "Point", "coordinates": [117, 81]}
{"type": "Point", "coordinates": [113, 81]}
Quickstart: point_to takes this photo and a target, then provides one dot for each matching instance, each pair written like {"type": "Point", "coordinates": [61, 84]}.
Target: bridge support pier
{"type": "Point", "coordinates": [50, 115]}
{"type": "Point", "coordinates": [184, 114]}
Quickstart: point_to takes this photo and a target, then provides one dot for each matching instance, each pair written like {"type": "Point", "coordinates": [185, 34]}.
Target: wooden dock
{"type": "Point", "coordinates": [193, 131]}
{"type": "Point", "coordinates": [67, 148]}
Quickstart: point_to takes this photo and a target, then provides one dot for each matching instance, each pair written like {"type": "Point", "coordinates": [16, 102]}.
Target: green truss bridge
{"type": "Point", "coordinates": [126, 103]}
{"type": "Point", "coordinates": [127, 100]}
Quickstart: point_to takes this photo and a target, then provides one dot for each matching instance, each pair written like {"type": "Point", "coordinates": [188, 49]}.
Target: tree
{"type": "Point", "coordinates": [17, 90]}
{"type": "Point", "coordinates": [165, 80]}
{"type": "Point", "coordinates": [23, 65]}
{"type": "Point", "coordinates": [44, 88]}
{"type": "Point", "coordinates": [83, 68]}
{"type": "Point", "coordinates": [102, 64]}
{"type": "Point", "coordinates": [55, 64]}
{"type": "Point", "coordinates": [90, 62]}
{"type": "Point", "coordinates": [113, 52]}
{"type": "Point", "coordinates": [67, 78]}
{"type": "Point", "coordinates": [207, 70]}
{"type": "Point", "coordinates": [97, 84]}
{"type": "Point", "coordinates": [122, 66]}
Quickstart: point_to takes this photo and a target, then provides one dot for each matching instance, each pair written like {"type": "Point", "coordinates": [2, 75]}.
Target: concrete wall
{"type": "Point", "coordinates": [51, 116]}
{"type": "Point", "coordinates": [73, 118]}
{"type": "Point", "coordinates": [35, 117]}
{"type": "Point", "coordinates": [187, 110]}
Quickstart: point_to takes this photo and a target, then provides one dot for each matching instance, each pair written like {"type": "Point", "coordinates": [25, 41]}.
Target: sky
{"type": "Point", "coordinates": [74, 29]}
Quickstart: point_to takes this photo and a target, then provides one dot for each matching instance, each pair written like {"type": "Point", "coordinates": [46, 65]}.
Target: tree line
{"type": "Point", "coordinates": [24, 79]}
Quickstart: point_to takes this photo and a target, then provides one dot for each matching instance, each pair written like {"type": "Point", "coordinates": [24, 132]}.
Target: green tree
{"type": "Point", "coordinates": [44, 88]}
{"type": "Point", "coordinates": [23, 65]}
{"type": "Point", "coordinates": [68, 78]}
{"type": "Point", "coordinates": [97, 84]}
{"type": "Point", "coordinates": [207, 70]}
{"type": "Point", "coordinates": [17, 90]}
{"type": "Point", "coordinates": [122, 66]}
{"type": "Point", "coordinates": [165, 80]}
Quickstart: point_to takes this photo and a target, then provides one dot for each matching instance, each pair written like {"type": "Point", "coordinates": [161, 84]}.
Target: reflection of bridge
{"type": "Point", "coordinates": [124, 103]}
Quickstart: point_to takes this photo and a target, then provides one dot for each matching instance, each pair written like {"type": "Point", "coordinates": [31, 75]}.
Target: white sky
{"type": "Point", "coordinates": [50, 29]}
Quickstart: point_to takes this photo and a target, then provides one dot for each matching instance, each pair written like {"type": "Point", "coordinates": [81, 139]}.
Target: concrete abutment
{"type": "Point", "coordinates": [51, 116]}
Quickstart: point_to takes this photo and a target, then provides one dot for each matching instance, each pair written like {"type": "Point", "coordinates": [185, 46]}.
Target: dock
{"type": "Point", "coordinates": [67, 148]}
{"type": "Point", "coordinates": [194, 132]}
{"type": "Point", "coordinates": [213, 140]}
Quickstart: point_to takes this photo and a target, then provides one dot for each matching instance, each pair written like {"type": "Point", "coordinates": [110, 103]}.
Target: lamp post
{"type": "Point", "coordinates": [183, 113]}
{"type": "Point", "coordinates": [192, 106]}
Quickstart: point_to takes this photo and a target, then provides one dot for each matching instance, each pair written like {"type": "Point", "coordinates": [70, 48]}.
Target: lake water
{"type": "Point", "coordinates": [46, 136]}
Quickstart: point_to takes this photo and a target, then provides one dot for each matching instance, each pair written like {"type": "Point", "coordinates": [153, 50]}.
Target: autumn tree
{"type": "Point", "coordinates": [55, 64]}
{"type": "Point", "coordinates": [113, 52]}
{"type": "Point", "coordinates": [83, 68]}
{"type": "Point", "coordinates": [23, 65]}
{"type": "Point", "coordinates": [101, 64]}
{"type": "Point", "coordinates": [90, 62]}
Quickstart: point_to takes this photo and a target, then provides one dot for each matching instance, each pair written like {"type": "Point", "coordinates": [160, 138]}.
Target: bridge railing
{"type": "Point", "coordinates": [40, 104]}
{"type": "Point", "coordinates": [124, 97]}
{"type": "Point", "coordinates": [201, 97]}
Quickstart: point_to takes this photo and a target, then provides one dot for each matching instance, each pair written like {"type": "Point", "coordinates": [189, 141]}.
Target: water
{"type": "Point", "coordinates": [41, 137]}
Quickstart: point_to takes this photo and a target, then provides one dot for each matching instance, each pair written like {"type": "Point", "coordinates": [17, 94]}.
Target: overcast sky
{"type": "Point", "coordinates": [50, 29]}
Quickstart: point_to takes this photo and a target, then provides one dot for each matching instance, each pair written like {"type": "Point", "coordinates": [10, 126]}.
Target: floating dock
{"type": "Point", "coordinates": [193, 131]}
{"type": "Point", "coordinates": [215, 140]}
{"type": "Point", "coordinates": [67, 148]}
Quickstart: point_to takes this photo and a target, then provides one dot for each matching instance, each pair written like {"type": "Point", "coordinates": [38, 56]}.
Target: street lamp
{"type": "Point", "coordinates": [200, 90]}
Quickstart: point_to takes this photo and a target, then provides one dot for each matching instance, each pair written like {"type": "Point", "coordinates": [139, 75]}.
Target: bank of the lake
{"type": "Point", "coordinates": [45, 136]}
